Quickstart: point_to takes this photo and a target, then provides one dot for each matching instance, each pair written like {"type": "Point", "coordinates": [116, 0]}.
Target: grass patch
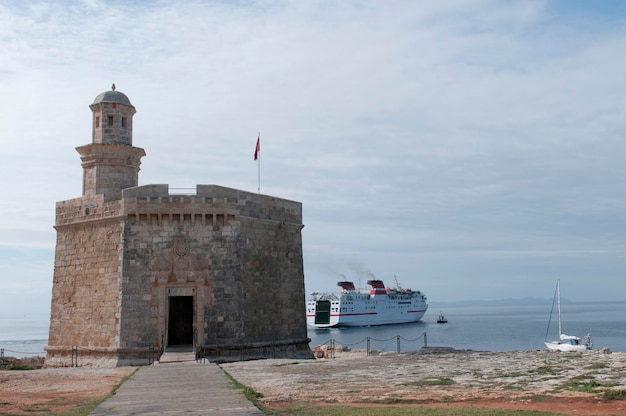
{"type": "Point", "coordinates": [583, 386]}
{"type": "Point", "coordinates": [596, 366]}
{"type": "Point", "coordinates": [82, 407]}
{"type": "Point", "coordinates": [285, 364]}
{"type": "Point", "coordinates": [439, 381]}
{"type": "Point", "coordinates": [592, 386]}
{"type": "Point", "coordinates": [544, 370]}
{"type": "Point", "coordinates": [571, 357]}
{"type": "Point", "coordinates": [303, 409]}
{"type": "Point", "coordinates": [615, 394]}
{"type": "Point", "coordinates": [250, 394]}
{"type": "Point", "coordinates": [395, 400]}
{"type": "Point", "coordinates": [20, 367]}
{"type": "Point", "coordinates": [516, 386]}
{"type": "Point", "coordinates": [511, 375]}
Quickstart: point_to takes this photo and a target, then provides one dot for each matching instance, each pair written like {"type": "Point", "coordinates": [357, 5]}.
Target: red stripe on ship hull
{"type": "Point", "coordinates": [354, 314]}
{"type": "Point", "coordinates": [366, 313]}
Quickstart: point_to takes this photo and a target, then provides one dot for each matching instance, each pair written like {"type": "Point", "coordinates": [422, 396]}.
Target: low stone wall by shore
{"type": "Point", "coordinates": [33, 363]}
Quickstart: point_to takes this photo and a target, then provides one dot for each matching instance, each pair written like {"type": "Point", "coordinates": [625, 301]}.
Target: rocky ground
{"type": "Point", "coordinates": [592, 383]}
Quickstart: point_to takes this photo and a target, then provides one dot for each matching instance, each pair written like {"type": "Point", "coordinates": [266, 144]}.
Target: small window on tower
{"type": "Point", "coordinates": [97, 122]}
{"type": "Point", "coordinates": [124, 122]}
{"type": "Point", "coordinates": [110, 121]}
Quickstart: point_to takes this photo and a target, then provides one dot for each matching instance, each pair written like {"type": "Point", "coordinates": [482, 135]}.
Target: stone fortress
{"type": "Point", "coordinates": [139, 270]}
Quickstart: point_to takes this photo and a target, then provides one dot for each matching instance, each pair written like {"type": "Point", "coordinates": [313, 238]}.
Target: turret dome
{"type": "Point", "coordinates": [112, 96]}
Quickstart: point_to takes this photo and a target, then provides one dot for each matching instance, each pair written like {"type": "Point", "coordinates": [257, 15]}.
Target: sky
{"type": "Point", "coordinates": [475, 149]}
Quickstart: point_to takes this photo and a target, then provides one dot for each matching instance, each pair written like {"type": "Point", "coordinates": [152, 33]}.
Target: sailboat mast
{"type": "Point", "coordinates": [558, 288]}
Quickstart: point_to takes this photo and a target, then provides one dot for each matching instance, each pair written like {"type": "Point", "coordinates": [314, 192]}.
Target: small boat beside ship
{"type": "Point", "coordinates": [378, 306]}
{"type": "Point", "coordinates": [442, 319]}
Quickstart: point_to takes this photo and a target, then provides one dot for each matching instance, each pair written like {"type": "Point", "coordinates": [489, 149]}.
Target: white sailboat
{"type": "Point", "coordinates": [566, 342]}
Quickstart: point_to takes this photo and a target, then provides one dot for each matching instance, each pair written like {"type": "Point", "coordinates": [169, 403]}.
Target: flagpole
{"type": "Point", "coordinates": [259, 165]}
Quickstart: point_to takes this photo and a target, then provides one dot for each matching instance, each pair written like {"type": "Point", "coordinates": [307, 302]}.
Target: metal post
{"type": "Point", "coordinates": [368, 346]}
{"type": "Point", "coordinates": [74, 356]}
{"type": "Point", "coordinates": [398, 341]}
{"type": "Point", "coordinates": [425, 341]}
{"type": "Point", "coordinates": [150, 354]}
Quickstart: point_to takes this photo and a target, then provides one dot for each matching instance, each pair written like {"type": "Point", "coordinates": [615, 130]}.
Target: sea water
{"type": "Point", "coordinates": [474, 327]}
{"type": "Point", "coordinates": [488, 328]}
{"type": "Point", "coordinates": [24, 335]}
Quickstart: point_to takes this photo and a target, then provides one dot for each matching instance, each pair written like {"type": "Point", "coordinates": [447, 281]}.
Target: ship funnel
{"type": "Point", "coordinates": [346, 285]}
{"type": "Point", "coordinates": [378, 287]}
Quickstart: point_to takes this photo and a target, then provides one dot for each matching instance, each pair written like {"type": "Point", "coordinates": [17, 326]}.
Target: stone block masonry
{"type": "Point", "coordinates": [235, 256]}
{"type": "Point", "coordinates": [139, 270]}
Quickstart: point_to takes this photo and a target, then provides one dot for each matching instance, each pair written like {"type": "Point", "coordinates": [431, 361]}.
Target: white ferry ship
{"type": "Point", "coordinates": [379, 306]}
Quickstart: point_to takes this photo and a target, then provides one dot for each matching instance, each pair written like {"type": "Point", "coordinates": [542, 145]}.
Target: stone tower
{"type": "Point", "coordinates": [110, 162]}
{"type": "Point", "coordinates": [139, 270]}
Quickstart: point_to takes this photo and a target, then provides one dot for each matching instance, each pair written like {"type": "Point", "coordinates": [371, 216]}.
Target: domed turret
{"type": "Point", "coordinates": [113, 97]}
{"type": "Point", "coordinates": [112, 118]}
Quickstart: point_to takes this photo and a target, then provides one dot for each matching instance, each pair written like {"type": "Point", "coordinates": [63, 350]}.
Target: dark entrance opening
{"type": "Point", "coordinates": [180, 329]}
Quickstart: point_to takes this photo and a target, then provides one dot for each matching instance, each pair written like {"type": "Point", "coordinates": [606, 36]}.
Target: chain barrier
{"type": "Point", "coordinates": [4, 360]}
{"type": "Point", "coordinates": [333, 343]}
{"type": "Point", "coordinates": [23, 352]}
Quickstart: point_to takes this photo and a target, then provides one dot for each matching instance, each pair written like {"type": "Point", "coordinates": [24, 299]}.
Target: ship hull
{"type": "Point", "coordinates": [353, 308]}
{"type": "Point", "coordinates": [348, 320]}
{"type": "Point", "coordinates": [567, 347]}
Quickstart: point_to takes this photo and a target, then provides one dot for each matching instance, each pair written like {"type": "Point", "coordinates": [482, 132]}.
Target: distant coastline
{"type": "Point", "coordinates": [504, 302]}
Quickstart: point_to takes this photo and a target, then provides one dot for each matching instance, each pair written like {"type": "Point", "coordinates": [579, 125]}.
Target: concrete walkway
{"type": "Point", "coordinates": [175, 388]}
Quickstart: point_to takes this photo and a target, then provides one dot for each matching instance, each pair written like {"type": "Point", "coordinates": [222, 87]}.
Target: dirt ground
{"type": "Point", "coordinates": [56, 390]}
{"type": "Point", "coordinates": [522, 380]}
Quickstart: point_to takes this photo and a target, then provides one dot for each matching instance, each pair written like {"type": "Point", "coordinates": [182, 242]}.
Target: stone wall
{"type": "Point", "coordinates": [238, 255]}
{"type": "Point", "coordinates": [86, 286]}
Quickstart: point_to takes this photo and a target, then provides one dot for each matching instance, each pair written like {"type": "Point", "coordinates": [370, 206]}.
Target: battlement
{"type": "Point", "coordinates": [86, 209]}
{"type": "Point", "coordinates": [210, 205]}
{"type": "Point", "coordinates": [215, 200]}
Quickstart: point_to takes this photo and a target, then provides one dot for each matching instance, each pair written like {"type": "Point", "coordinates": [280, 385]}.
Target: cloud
{"type": "Point", "coordinates": [469, 147]}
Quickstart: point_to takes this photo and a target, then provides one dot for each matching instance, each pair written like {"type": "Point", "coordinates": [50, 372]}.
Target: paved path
{"type": "Point", "coordinates": [174, 388]}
